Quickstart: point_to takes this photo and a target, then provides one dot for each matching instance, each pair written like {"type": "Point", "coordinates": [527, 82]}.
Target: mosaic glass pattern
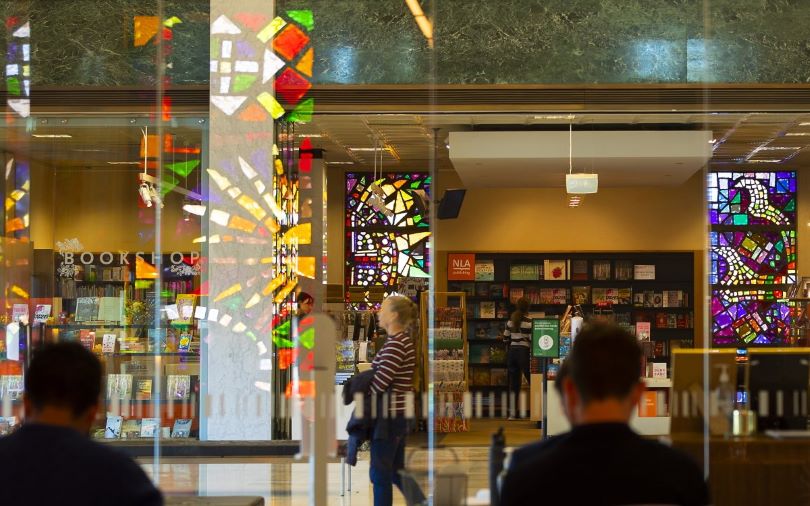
{"type": "Point", "coordinates": [382, 245]}
{"type": "Point", "coordinates": [753, 256]}
{"type": "Point", "coordinates": [18, 66]}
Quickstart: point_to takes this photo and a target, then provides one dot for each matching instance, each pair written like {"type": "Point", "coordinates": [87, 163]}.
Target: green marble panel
{"type": "Point", "coordinates": [89, 42]}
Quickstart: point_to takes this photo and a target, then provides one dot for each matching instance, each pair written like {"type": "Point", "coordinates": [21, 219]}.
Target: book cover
{"type": "Point", "coordinates": [502, 310]}
{"type": "Point", "coordinates": [546, 296]}
{"type": "Point", "coordinates": [481, 290]}
{"type": "Point", "coordinates": [625, 295]}
{"type": "Point", "coordinates": [184, 344]}
{"type": "Point", "coordinates": [612, 295]}
{"type": "Point", "coordinates": [515, 294]}
{"type": "Point", "coordinates": [672, 321]}
{"type": "Point", "coordinates": [497, 377]}
{"type": "Point", "coordinates": [581, 294]}
{"type": "Point", "coordinates": [479, 354]}
{"type": "Point", "coordinates": [644, 272]}
{"type": "Point", "coordinates": [532, 294]}
{"type": "Point", "coordinates": [112, 429]}
{"type": "Point", "coordinates": [178, 386]}
{"type": "Point", "coordinates": [88, 338]}
{"type": "Point", "coordinates": [108, 343]}
{"type": "Point", "coordinates": [484, 270]}
{"type": "Point", "coordinates": [660, 320]}
{"type": "Point", "coordinates": [624, 270]}
{"type": "Point", "coordinates": [497, 354]}
{"type": "Point", "coordinates": [131, 428]}
{"type": "Point", "coordinates": [658, 299]}
{"type": "Point", "coordinates": [681, 321]}
{"type": "Point", "coordinates": [579, 270]}
{"type": "Point", "coordinates": [498, 290]}
{"type": "Point", "coordinates": [480, 376]}
{"type": "Point", "coordinates": [181, 428]}
{"type": "Point", "coordinates": [643, 331]}
{"type": "Point", "coordinates": [143, 389]}
{"type": "Point", "coordinates": [86, 309]}
{"type": "Point", "coordinates": [150, 427]}
{"type": "Point", "coordinates": [11, 387]}
{"type": "Point", "coordinates": [601, 270]}
{"type": "Point", "coordinates": [41, 313]}
{"type": "Point", "coordinates": [598, 295]}
{"type": "Point", "coordinates": [648, 405]}
{"type": "Point", "coordinates": [560, 296]}
{"type": "Point", "coordinates": [524, 272]}
{"type": "Point", "coordinates": [19, 312]}
{"type": "Point", "coordinates": [555, 270]}
{"type": "Point", "coordinates": [110, 309]}
{"type": "Point", "coordinates": [649, 299]}
{"type": "Point", "coordinates": [185, 307]}
{"type": "Point", "coordinates": [638, 299]}
{"type": "Point", "coordinates": [119, 386]}
{"type": "Point", "coordinates": [487, 309]}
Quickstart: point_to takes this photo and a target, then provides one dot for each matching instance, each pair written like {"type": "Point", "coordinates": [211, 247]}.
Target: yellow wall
{"type": "Point", "coordinates": [100, 208]}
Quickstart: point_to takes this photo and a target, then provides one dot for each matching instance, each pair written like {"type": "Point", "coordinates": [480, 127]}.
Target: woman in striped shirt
{"type": "Point", "coordinates": [393, 379]}
{"type": "Point", "coordinates": [518, 337]}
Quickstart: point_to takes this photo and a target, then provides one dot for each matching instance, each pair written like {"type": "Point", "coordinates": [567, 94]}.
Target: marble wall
{"type": "Point", "coordinates": [89, 42]}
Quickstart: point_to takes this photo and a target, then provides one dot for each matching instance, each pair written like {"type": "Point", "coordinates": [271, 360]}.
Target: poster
{"type": "Point", "coordinates": [546, 337]}
{"type": "Point", "coordinates": [485, 270]}
{"type": "Point", "coordinates": [461, 267]}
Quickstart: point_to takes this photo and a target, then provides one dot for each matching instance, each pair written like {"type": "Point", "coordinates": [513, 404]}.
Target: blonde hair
{"type": "Point", "coordinates": [406, 310]}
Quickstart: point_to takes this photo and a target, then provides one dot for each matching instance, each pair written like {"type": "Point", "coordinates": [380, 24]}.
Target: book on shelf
{"type": "Point", "coordinates": [131, 428]}
{"type": "Point", "coordinates": [643, 330]}
{"type": "Point", "coordinates": [19, 312]}
{"type": "Point", "coordinates": [559, 296]}
{"type": "Point", "coordinates": [112, 429]}
{"type": "Point", "coordinates": [524, 272]}
{"type": "Point", "coordinates": [497, 354]}
{"type": "Point", "coordinates": [644, 272]}
{"type": "Point", "coordinates": [555, 270]}
{"type": "Point", "coordinates": [184, 344]}
{"type": "Point", "coordinates": [487, 309]}
{"type": "Point", "coordinates": [480, 376]}
{"type": "Point", "coordinates": [598, 295]}
{"type": "Point", "coordinates": [108, 343]}
{"type": "Point", "coordinates": [86, 309]}
{"type": "Point", "coordinates": [119, 386]}
{"type": "Point", "coordinates": [481, 290]}
{"type": "Point", "coordinates": [111, 309]}
{"type": "Point", "coordinates": [41, 313]}
{"type": "Point", "coordinates": [185, 307]}
{"type": "Point", "coordinates": [532, 294]}
{"type": "Point", "coordinates": [624, 270]}
{"type": "Point", "coordinates": [150, 427]}
{"type": "Point", "coordinates": [579, 270]}
{"type": "Point", "coordinates": [497, 377]}
{"type": "Point", "coordinates": [11, 387]}
{"type": "Point", "coordinates": [502, 310]}
{"type": "Point", "coordinates": [546, 296]}
{"type": "Point", "coordinates": [660, 349]}
{"type": "Point", "coordinates": [178, 386]}
{"type": "Point", "coordinates": [638, 299]}
{"type": "Point", "coordinates": [484, 270]}
{"type": "Point", "coordinates": [612, 295]}
{"type": "Point", "coordinates": [658, 299]}
{"type": "Point", "coordinates": [498, 290]}
{"type": "Point", "coordinates": [660, 320]}
{"type": "Point", "coordinates": [601, 270]}
{"type": "Point", "coordinates": [87, 338]}
{"type": "Point", "coordinates": [479, 354]}
{"type": "Point", "coordinates": [143, 389]}
{"type": "Point", "coordinates": [181, 428]}
{"type": "Point", "coordinates": [648, 405]}
{"type": "Point", "coordinates": [581, 294]}
{"type": "Point", "coordinates": [625, 295]}
{"type": "Point", "coordinates": [649, 298]}
{"type": "Point", "coordinates": [515, 294]}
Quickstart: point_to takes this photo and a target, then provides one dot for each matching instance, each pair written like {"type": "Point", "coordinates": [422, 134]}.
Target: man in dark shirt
{"type": "Point", "coordinates": [50, 459]}
{"type": "Point", "coordinates": [601, 460]}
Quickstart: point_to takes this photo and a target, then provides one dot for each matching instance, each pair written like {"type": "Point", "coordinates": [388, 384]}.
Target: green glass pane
{"type": "Point", "coordinates": [417, 219]}
{"type": "Point", "coordinates": [780, 246]}
{"type": "Point", "coordinates": [740, 219]}
{"type": "Point", "coordinates": [280, 342]}
{"type": "Point", "coordinates": [307, 338]}
{"type": "Point", "coordinates": [183, 169]}
{"type": "Point", "coordinates": [737, 199]}
{"type": "Point", "coordinates": [214, 48]}
{"type": "Point", "coordinates": [167, 186]}
{"type": "Point", "coordinates": [243, 82]}
{"type": "Point", "coordinates": [302, 112]}
{"type": "Point", "coordinates": [415, 184]}
{"type": "Point", "coordinates": [303, 18]}
{"type": "Point", "coordinates": [791, 206]}
{"type": "Point", "coordinates": [12, 86]}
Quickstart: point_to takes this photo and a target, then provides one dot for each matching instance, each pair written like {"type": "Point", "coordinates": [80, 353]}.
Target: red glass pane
{"type": "Point", "coordinates": [291, 86]}
{"type": "Point", "coordinates": [290, 42]}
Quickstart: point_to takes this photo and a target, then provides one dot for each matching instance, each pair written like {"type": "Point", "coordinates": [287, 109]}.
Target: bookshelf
{"type": "Point", "coordinates": [447, 327]}
{"type": "Point", "coordinates": [623, 287]}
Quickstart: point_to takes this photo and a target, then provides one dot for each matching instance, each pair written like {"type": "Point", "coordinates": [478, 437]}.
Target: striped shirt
{"type": "Point", "coordinates": [393, 370]}
{"type": "Point", "coordinates": [521, 337]}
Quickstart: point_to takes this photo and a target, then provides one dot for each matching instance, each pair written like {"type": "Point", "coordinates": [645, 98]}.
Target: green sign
{"type": "Point", "coordinates": [546, 337]}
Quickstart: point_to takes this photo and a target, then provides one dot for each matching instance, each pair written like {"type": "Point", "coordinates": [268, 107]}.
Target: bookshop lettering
{"type": "Point", "coordinates": [108, 257]}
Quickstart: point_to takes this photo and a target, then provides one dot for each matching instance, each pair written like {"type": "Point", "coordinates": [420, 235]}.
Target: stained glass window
{"type": "Point", "coordinates": [753, 256]}
{"type": "Point", "coordinates": [387, 229]}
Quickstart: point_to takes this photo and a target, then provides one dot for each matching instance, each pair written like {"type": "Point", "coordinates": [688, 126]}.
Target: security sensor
{"type": "Point", "coordinates": [146, 195]}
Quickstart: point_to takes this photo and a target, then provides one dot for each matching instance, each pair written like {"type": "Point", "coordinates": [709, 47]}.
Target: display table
{"type": "Point", "coordinates": [753, 470]}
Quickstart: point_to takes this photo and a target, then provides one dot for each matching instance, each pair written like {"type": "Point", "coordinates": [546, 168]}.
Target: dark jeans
{"type": "Point", "coordinates": [387, 458]}
{"type": "Point", "coordinates": [517, 360]}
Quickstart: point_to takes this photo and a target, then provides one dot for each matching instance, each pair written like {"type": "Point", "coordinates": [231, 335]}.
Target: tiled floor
{"type": "Point", "coordinates": [284, 482]}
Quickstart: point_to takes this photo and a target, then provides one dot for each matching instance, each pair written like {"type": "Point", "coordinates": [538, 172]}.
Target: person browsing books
{"type": "Point", "coordinates": [305, 304]}
{"type": "Point", "coordinates": [50, 459]}
{"type": "Point", "coordinates": [601, 460]}
{"type": "Point", "coordinates": [518, 337]}
{"type": "Point", "coordinates": [393, 367]}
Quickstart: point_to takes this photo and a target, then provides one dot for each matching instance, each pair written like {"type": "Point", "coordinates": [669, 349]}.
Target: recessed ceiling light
{"type": "Point", "coordinates": [366, 149]}
{"type": "Point", "coordinates": [310, 136]}
{"type": "Point", "coordinates": [124, 163]}
{"type": "Point", "coordinates": [340, 163]}
{"type": "Point", "coordinates": [556, 116]}
{"type": "Point", "coordinates": [797, 134]}
{"type": "Point", "coordinates": [765, 161]}
{"type": "Point", "coordinates": [52, 136]}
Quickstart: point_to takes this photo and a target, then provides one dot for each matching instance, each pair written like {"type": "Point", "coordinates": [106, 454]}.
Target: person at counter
{"type": "Point", "coordinates": [601, 460]}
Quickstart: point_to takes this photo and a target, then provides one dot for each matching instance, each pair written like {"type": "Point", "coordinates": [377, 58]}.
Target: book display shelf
{"type": "Point", "coordinates": [649, 294]}
{"type": "Point", "coordinates": [447, 328]}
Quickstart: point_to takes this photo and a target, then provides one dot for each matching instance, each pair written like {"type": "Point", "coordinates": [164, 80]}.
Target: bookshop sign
{"type": "Point", "coordinates": [108, 257]}
{"type": "Point", "coordinates": [461, 267]}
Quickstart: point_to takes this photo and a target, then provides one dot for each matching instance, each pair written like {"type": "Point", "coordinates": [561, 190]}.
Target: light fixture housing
{"type": "Point", "coordinates": [146, 194]}
{"type": "Point", "coordinates": [581, 184]}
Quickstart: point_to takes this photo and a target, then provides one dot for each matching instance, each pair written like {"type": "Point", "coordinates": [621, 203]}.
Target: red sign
{"type": "Point", "coordinates": [461, 267]}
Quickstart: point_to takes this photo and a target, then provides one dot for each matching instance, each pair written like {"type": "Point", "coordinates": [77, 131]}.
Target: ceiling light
{"type": "Point", "coordinates": [52, 136]}
{"type": "Point", "coordinates": [779, 160]}
{"type": "Point", "coordinates": [777, 148]}
{"type": "Point", "coordinates": [556, 116]}
{"type": "Point", "coordinates": [364, 149]}
{"type": "Point", "coordinates": [339, 163]}
{"type": "Point", "coordinates": [805, 123]}
{"type": "Point", "coordinates": [424, 24]}
{"type": "Point", "coordinates": [310, 136]}
{"type": "Point", "coordinates": [124, 163]}
{"type": "Point", "coordinates": [146, 195]}
{"type": "Point", "coordinates": [797, 134]}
